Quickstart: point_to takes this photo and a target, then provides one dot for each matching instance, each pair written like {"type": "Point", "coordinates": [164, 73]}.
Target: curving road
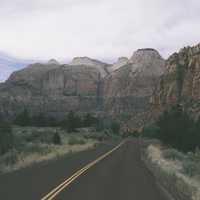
{"type": "Point", "coordinates": [117, 175]}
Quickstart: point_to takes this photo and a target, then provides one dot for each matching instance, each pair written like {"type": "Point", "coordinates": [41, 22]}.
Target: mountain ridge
{"type": "Point", "coordinates": [55, 88]}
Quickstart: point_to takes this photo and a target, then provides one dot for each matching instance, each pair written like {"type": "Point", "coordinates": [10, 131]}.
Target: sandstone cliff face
{"type": "Point", "coordinates": [84, 85]}
{"type": "Point", "coordinates": [181, 82]}
{"type": "Point", "coordinates": [120, 62]}
{"type": "Point", "coordinates": [51, 88]}
{"type": "Point", "coordinates": [128, 89]}
{"type": "Point", "coordinates": [102, 67]}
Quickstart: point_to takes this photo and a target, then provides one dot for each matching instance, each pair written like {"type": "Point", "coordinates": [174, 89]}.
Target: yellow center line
{"type": "Point", "coordinates": [51, 195]}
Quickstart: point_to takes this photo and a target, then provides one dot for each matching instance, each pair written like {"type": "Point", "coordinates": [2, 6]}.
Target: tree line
{"type": "Point", "coordinates": [71, 122]}
{"type": "Point", "coordinates": [177, 129]}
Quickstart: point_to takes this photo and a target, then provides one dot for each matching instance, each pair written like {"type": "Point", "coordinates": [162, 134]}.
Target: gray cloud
{"type": "Point", "coordinates": [101, 29]}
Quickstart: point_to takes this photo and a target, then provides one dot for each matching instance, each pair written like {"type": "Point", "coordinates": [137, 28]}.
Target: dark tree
{"type": "Point", "coordinates": [39, 120]}
{"type": "Point", "coordinates": [115, 128]}
{"type": "Point", "coordinates": [89, 120]}
{"type": "Point", "coordinates": [72, 122]}
{"type": "Point", "coordinates": [177, 129]}
{"type": "Point", "coordinates": [56, 139]}
{"type": "Point", "coordinates": [6, 137]}
{"type": "Point", "coordinates": [23, 119]}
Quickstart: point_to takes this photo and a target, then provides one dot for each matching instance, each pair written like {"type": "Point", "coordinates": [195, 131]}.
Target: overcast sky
{"type": "Point", "coordinates": [103, 29]}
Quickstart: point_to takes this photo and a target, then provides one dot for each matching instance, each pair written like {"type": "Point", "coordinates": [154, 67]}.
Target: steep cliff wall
{"type": "Point", "coordinates": [84, 85]}
{"type": "Point", "coordinates": [180, 83]}
{"type": "Point", "coordinates": [51, 88]}
{"type": "Point", "coordinates": [127, 90]}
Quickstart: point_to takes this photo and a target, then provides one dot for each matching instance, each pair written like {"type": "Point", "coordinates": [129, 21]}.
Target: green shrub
{"type": "Point", "coordinates": [194, 156]}
{"type": "Point", "coordinates": [150, 131]}
{"type": "Point", "coordinates": [36, 148]}
{"type": "Point", "coordinates": [9, 158]}
{"type": "Point", "coordinates": [173, 154]}
{"type": "Point", "coordinates": [56, 139]}
{"type": "Point", "coordinates": [89, 120]}
{"type": "Point", "coordinates": [191, 168]}
{"type": "Point", "coordinates": [75, 140]}
{"type": "Point", "coordinates": [23, 118]}
{"type": "Point", "coordinates": [115, 128]}
{"type": "Point", "coordinates": [72, 122]}
{"type": "Point", "coordinates": [6, 137]}
{"type": "Point", "coordinates": [177, 129]}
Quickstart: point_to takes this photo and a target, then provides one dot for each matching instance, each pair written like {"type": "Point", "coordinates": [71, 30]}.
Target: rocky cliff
{"type": "Point", "coordinates": [102, 67]}
{"type": "Point", "coordinates": [180, 83]}
{"type": "Point", "coordinates": [127, 90]}
{"type": "Point", "coordinates": [51, 88]}
{"type": "Point", "coordinates": [120, 62]}
{"type": "Point", "coordinates": [122, 89]}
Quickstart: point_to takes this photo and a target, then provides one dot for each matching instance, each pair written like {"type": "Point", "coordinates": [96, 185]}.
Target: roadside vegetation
{"type": "Point", "coordinates": [175, 128]}
{"type": "Point", "coordinates": [33, 145]}
{"type": "Point", "coordinates": [176, 161]}
{"type": "Point", "coordinates": [178, 172]}
{"type": "Point", "coordinates": [31, 139]}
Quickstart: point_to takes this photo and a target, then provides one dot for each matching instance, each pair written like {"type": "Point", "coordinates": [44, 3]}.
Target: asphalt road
{"type": "Point", "coordinates": [121, 175]}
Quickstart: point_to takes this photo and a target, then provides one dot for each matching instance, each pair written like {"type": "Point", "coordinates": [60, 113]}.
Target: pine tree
{"type": "Point", "coordinates": [23, 119]}
{"type": "Point", "coordinates": [56, 139]}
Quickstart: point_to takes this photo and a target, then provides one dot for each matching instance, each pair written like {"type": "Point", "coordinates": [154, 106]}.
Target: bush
{"type": "Point", "coordinates": [150, 131]}
{"type": "Point", "coordinates": [6, 137]}
{"type": "Point", "coordinates": [39, 120]}
{"type": "Point", "coordinates": [75, 140]}
{"type": "Point", "coordinates": [191, 168]}
{"type": "Point", "coordinates": [56, 139]}
{"type": "Point", "coordinates": [89, 120]}
{"type": "Point", "coordinates": [9, 158]}
{"type": "Point", "coordinates": [177, 129]}
{"type": "Point", "coordinates": [115, 128]}
{"type": "Point", "coordinates": [23, 119]}
{"type": "Point", "coordinates": [38, 148]}
{"type": "Point", "coordinates": [173, 154]}
{"type": "Point", "coordinates": [194, 156]}
{"type": "Point", "coordinates": [72, 122]}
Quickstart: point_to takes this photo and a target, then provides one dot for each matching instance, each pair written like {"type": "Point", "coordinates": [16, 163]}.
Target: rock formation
{"type": "Point", "coordinates": [52, 89]}
{"type": "Point", "coordinates": [84, 85]}
{"type": "Point", "coordinates": [180, 83]}
{"type": "Point", "coordinates": [120, 62]}
{"type": "Point", "coordinates": [102, 67]}
{"type": "Point", "coordinates": [127, 90]}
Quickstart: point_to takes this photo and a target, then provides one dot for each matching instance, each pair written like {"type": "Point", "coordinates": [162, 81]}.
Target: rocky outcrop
{"type": "Point", "coordinates": [84, 85]}
{"type": "Point", "coordinates": [51, 88]}
{"type": "Point", "coordinates": [180, 83]}
{"type": "Point", "coordinates": [120, 62]}
{"type": "Point", "coordinates": [102, 67]}
{"type": "Point", "coordinates": [127, 90]}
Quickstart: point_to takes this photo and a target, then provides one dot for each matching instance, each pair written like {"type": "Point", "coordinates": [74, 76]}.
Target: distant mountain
{"type": "Point", "coordinates": [83, 85]}
{"type": "Point", "coordinates": [8, 64]}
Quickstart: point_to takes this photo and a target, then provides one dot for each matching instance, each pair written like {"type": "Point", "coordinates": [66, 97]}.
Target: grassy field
{"type": "Point", "coordinates": [33, 145]}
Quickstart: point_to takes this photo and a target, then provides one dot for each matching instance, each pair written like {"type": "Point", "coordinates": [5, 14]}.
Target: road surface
{"type": "Point", "coordinates": [118, 175]}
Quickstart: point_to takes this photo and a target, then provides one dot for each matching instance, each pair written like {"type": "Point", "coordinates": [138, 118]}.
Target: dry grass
{"type": "Point", "coordinates": [24, 160]}
{"type": "Point", "coordinates": [35, 147]}
{"type": "Point", "coordinates": [173, 171]}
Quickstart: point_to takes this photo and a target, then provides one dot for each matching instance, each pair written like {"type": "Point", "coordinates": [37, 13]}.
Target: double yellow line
{"type": "Point", "coordinates": [51, 195]}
